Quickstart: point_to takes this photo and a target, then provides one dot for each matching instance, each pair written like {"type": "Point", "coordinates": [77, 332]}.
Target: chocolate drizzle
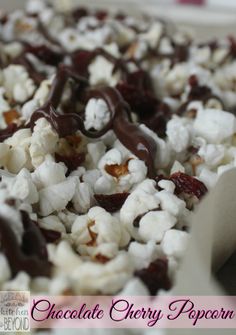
{"type": "Point", "coordinates": [31, 256]}
{"type": "Point", "coordinates": [130, 134]}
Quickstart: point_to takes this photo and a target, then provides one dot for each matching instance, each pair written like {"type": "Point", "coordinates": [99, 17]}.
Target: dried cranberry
{"type": "Point", "coordinates": [140, 79]}
{"type": "Point", "coordinates": [79, 12]}
{"type": "Point", "coordinates": [45, 54]}
{"type": "Point", "coordinates": [199, 93]}
{"type": "Point", "coordinates": [72, 162]}
{"type": "Point", "coordinates": [181, 54]}
{"type": "Point", "coordinates": [141, 102]}
{"type": "Point", "coordinates": [81, 60]}
{"type": "Point", "coordinates": [232, 41]}
{"type": "Point", "coordinates": [155, 277]}
{"type": "Point", "coordinates": [101, 15]}
{"type": "Point", "coordinates": [189, 185]}
{"type": "Point", "coordinates": [111, 203]}
{"type": "Point", "coordinates": [51, 236]}
{"type": "Point", "coordinates": [193, 80]}
{"type": "Point", "coordinates": [158, 121]}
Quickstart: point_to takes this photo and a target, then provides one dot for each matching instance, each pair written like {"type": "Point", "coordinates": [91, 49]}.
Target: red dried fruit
{"type": "Point", "coordinates": [141, 102]}
{"type": "Point", "coordinates": [81, 60]}
{"type": "Point", "coordinates": [101, 15]}
{"type": "Point", "coordinates": [189, 185]}
{"type": "Point", "coordinates": [232, 41]}
{"type": "Point", "coordinates": [140, 79]}
{"type": "Point", "coordinates": [79, 12]}
{"type": "Point", "coordinates": [111, 203]}
{"type": "Point", "coordinates": [45, 54]}
{"type": "Point", "coordinates": [155, 277]}
{"type": "Point", "coordinates": [72, 162]}
{"type": "Point", "coordinates": [199, 93]}
{"type": "Point", "coordinates": [51, 236]}
{"type": "Point", "coordinates": [193, 80]}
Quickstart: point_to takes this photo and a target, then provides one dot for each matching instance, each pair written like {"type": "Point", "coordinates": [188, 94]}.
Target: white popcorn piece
{"type": "Point", "coordinates": [55, 197]}
{"type": "Point", "coordinates": [4, 154]}
{"type": "Point", "coordinates": [105, 185]}
{"type": "Point", "coordinates": [140, 201]}
{"type": "Point", "coordinates": [177, 167]}
{"type": "Point", "coordinates": [29, 108]}
{"type": "Point", "coordinates": [214, 125]}
{"type": "Point", "coordinates": [101, 72]}
{"type": "Point", "coordinates": [111, 157]}
{"type": "Point", "coordinates": [42, 92]}
{"type": "Point", "coordinates": [154, 225]}
{"type": "Point", "coordinates": [17, 159]}
{"type": "Point", "coordinates": [167, 185]}
{"type": "Point", "coordinates": [144, 254]}
{"type": "Point", "coordinates": [97, 114]}
{"type": "Point", "coordinates": [174, 243]}
{"type": "Point", "coordinates": [83, 197]}
{"type": "Point", "coordinates": [52, 222]}
{"type": "Point", "coordinates": [208, 177]}
{"type": "Point", "coordinates": [96, 151]}
{"type": "Point", "coordinates": [44, 140]}
{"type": "Point", "coordinates": [134, 287]}
{"type": "Point", "coordinates": [154, 34]}
{"type": "Point", "coordinates": [17, 83]}
{"type": "Point", "coordinates": [22, 187]}
{"type": "Point", "coordinates": [64, 257]}
{"type": "Point", "coordinates": [178, 134]}
{"type": "Point", "coordinates": [105, 227]}
{"type": "Point", "coordinates": [171, 203]}
{"type": "Point", "coordinates": [212, 154]}
{"type": "Point", "coordinates": [110, 277]}
{"type": "Point", "coordinates": [49, 173]}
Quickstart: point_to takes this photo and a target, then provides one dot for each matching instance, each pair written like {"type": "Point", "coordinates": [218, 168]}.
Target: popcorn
{"type": "Point", "coordinates": [97, 114]}
{"type": "Point", "coordinates": [214, 125]}
{"type": "Point", "coordinates": [52, 222]}
{"type": "Point", "coordinates": [17, 83]}
{"type": "Point", "coordinates": [143, 254]}
{"type": "Point", "coordinates": [174, 243]}
{"type": "Point", "coordinates": [83, 198]}
{"type": "Point", "coordinates": [178, 134]}
{"type": "Point", "coordinates": [44, 140]}
{"type": "Point", "coordinates": [212, 154]}
{"type": "Point", "coordinates": [167, 185]}
{"type": "Point", "coordinates": [101, 72]}
{"type": "Point", "coordinates": [56, 197]}
{"type": "Point", "coordinates": [154, 225]}
{"type": "Point", "coordinates": [49, 173]}
{"type": "Point", "coordinates": [153, 35]}
{"type": "Point", "coordinates": [99, 225]}
{"type": "Point", "coordinates": [110, 278]}
{"type": "Point", "coordinates": [22, 187]}
{"type": "Point", "coordinates": [141, 200]}
{"type": "Point", "coordinates": [171, 203]}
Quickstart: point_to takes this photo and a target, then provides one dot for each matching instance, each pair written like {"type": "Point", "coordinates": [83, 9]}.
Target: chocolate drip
{"type": "Point", "coordinates": [129, 134]}
{"type": "Point", "coordinates": [31, 257]}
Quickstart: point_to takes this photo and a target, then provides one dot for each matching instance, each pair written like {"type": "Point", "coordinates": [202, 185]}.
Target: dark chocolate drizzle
{"type": "Point", "coordinates": [31, 256]}
{"type": "Point", "coordinates": [130, 135]}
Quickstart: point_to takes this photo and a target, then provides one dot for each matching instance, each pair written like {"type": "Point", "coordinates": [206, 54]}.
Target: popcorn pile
{"type": "Point", "coordinates": [112, 130]}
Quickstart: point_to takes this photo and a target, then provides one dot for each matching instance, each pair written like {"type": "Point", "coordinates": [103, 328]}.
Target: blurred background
{"type": "Point", "coordinates": [208, 18]}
